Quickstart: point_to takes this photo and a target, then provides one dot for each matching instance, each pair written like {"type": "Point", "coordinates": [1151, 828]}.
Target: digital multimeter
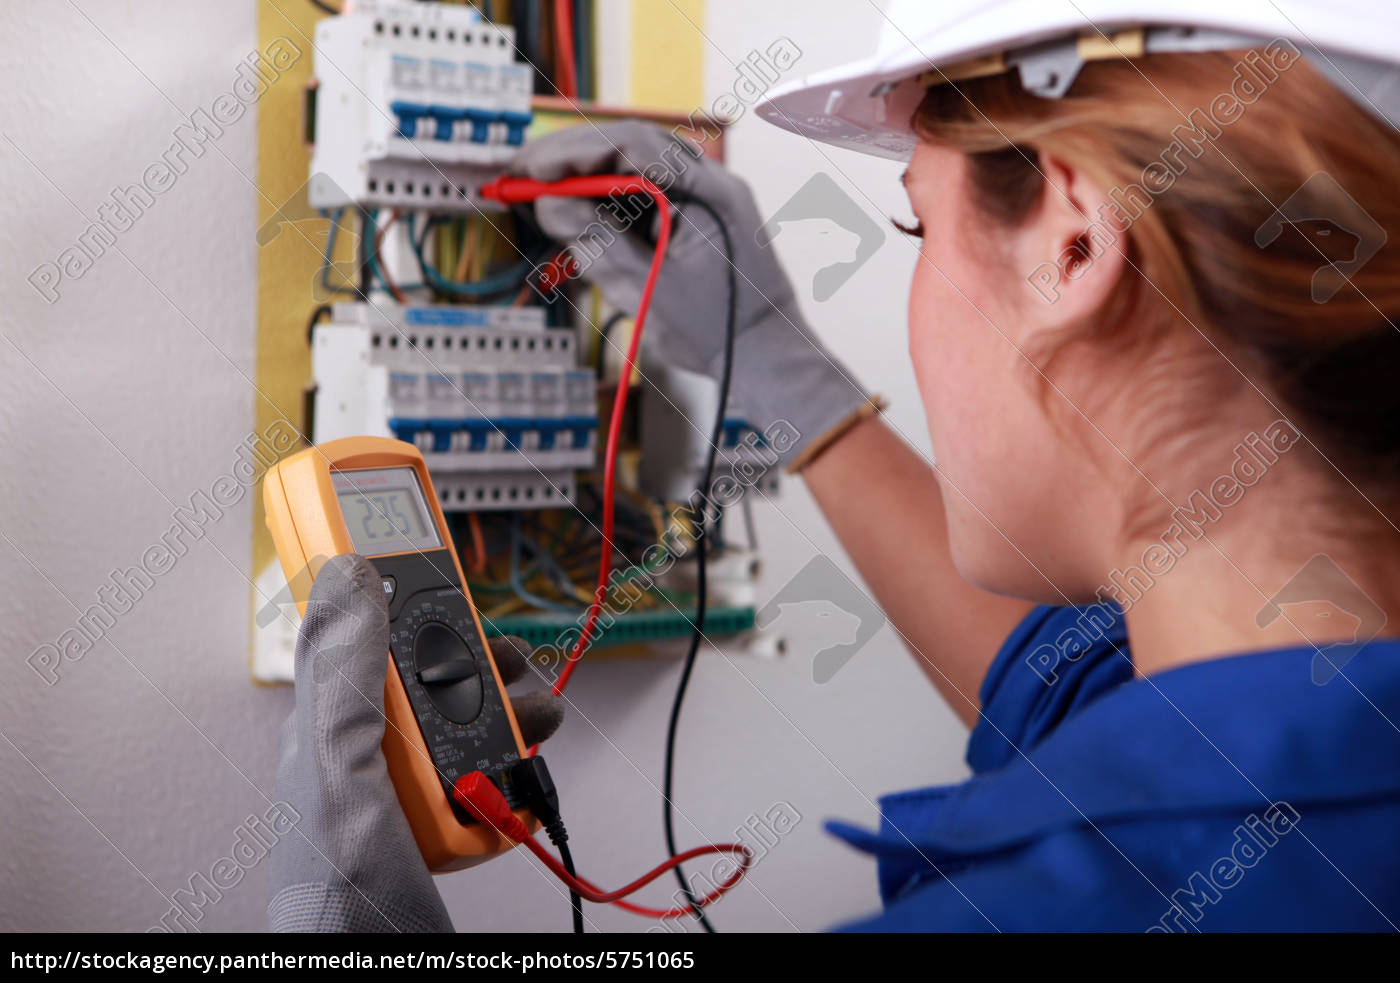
{"type": "Point", "coordinates": [447, 711]}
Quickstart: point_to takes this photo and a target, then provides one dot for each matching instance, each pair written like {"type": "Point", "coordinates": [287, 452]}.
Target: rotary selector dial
{"type": "Point", "coordinates": [449, 672]}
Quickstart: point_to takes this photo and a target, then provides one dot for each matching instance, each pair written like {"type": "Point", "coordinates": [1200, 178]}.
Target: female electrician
{"type": "Point", "coordinates": [1156, 329]}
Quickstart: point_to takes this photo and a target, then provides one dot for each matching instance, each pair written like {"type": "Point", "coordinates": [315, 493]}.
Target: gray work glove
{"type": "Point", "coordinates": [781, 371]}
{"type": "Point", "coordinates": [350, 863]}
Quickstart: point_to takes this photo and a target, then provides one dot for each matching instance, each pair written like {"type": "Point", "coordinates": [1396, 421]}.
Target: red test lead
{"type": "Point", "coordinates": [479, 796]}
{"type": "Point", "coordinates": [518, 190]}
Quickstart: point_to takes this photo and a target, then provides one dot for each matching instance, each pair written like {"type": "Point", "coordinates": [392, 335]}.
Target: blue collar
{"type": "Point", "coordinates": [1230, 733]}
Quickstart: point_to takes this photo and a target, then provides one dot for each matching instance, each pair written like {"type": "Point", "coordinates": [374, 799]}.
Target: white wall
{"type": "Point", "coordinates": [133, 390]}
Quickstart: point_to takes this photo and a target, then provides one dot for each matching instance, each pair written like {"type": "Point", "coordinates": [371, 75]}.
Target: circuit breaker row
{"type": "Point", "coordinates": [494, 399]}
{"type": "Point", "coordinates": [415, 104]}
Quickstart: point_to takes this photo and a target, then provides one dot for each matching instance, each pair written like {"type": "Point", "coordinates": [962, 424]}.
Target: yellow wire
{"type": "Point", "coordinates": [470, 245]}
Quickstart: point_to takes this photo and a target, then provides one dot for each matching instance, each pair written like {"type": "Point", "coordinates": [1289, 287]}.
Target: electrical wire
{"type": "Point", "coordinates": [517, 190]}
{"type": "Point", "coordinates": [317, 312]}
{"type": "Point", "coordinates": [477, 562]}
{"type": "Point", "coordinates": [471, 244]}
{"type": "Point", "coordinates": [575, 901]}
{"type": "Point", "coordinates": [384, 274]}
{"type": "Point", "coordinates": [509, 280]}
{"type": "Point", "coordinates": [370, 231]}
{"type": "Point", "coordinates": [701, 597]}
{"type": "Point", "coordinates": [564, 54]}
{"type": "Point", "coordinates": [517, 584]}
{"type": "Point", "coordinates": [583, 45]}
{"type": "Point", "coordinates": [483, 800]}
{"type": "Point", "coordinates": [324, 7]}
{"type": "Point", "coordinates": [328, 253]}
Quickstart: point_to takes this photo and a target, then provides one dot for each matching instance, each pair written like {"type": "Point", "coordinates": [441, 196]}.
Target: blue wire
{"type": "Point", "coordinates": [326, 261]}
{"type": "Point", "coordinates": [506, 280]}
{"type": "Point", "coordinates": [515, 584]}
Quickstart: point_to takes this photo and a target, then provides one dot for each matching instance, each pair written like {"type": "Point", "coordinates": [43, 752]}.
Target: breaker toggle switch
{"type": "Point", "coordinates": [408, 115]}
{"type": "Point", "coordinates": [515, 127]}
{"type": "Point", "coordinates": [481, 120]}
{"type": "Point", "coordinates": [446, 118]}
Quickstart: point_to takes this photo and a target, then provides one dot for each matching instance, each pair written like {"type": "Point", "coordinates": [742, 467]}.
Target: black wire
{"type": "Point", "coordinates": [327, 8]}
{"type": "Point", "coordinates": [318, 312]}
{"type": "Point", "coordinates": [716, 434]}
{"type": "Point", "coordinates": [567, 859]}
{"type": "Point", "coordinates": [362, 252]}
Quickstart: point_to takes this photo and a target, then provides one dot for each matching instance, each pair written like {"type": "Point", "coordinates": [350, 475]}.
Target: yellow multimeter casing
{"type": "Point", "coordinates": [446, 709]}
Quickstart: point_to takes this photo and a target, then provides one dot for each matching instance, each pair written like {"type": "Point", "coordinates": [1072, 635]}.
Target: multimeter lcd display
{"type": "Point", "coordinates": [384, 511]}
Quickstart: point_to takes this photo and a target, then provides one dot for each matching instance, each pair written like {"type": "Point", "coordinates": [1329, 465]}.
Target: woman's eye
{"type": "Point", "coordinates": [916, 230]}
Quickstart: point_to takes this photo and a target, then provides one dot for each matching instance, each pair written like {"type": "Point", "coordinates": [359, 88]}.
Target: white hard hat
{"type": "Point", "coordinates": [866, 105]}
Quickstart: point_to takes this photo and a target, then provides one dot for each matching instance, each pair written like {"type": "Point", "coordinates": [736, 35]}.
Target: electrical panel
{"type": "Point", "coordinates": [412, 108]}
{"type": "Point", "coordinates": [416, 105]}
{"type": "Point", "coordinates": [494, 399]}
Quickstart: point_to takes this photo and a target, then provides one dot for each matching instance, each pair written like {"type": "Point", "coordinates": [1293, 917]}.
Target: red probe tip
{"type": "Point", "coordinates": [492, 189]}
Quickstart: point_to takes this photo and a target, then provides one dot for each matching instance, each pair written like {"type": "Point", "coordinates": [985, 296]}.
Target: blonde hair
{"type": "Point", "coordinates": [1209, 249]}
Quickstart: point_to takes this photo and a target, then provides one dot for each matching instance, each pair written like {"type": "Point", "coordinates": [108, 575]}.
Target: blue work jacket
{"type": "Point", "coordinates": [1236, 794]}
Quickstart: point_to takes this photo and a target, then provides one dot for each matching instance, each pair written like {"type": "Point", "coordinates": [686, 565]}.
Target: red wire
{"type": "Point", "coordinates": [508, 191]}
{"type": "Point", "coordinates": [479, 795]}
{"type": "Point", "coordinates": [564, 47]}
{"type": "Point", "coordinates": [590, 891]}
{"type": "Point", "coordinates": [477, 563]}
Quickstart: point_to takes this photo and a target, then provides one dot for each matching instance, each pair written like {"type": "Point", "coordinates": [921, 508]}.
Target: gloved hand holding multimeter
{"type": "Point", "coordinates": [441, 712]}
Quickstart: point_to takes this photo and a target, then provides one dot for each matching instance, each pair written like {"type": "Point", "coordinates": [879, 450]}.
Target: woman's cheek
{"type": "Point", "coordinates": [943, 350]}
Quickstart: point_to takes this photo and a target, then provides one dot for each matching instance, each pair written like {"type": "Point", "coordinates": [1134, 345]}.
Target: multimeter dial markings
{"type": "Point", "coordinates": [448, 680]}
{"type": "Point", "coordinates": [445, 669]}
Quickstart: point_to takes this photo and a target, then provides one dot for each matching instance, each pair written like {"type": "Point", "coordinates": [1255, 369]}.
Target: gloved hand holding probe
{"type": "Point", "coordinates": [781, 371]}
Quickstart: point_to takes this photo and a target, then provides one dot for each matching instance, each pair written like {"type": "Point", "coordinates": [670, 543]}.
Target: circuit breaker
{"type": "Point", "coordinates": [496, 401]}
{"type": "Point", "coordinates": [415, 106]}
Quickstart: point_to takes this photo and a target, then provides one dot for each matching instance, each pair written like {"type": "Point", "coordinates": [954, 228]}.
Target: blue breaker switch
{"type": "Point", "coordinates": [514, 430]}
{"type": "Point", "coordinates": [446, 118]}
{"type": "Point", "coordinates": [481, 123]}
{"type": "Point", "coordinates": [548, 429]}
{"type": "Point", "coordinates": [408, 114]}
{"type": "Point", "coordinates": [478, 431]}
{"type": "Point", "coordinates": [442, 431]}
{"type": "Point", "coordinates": [407, 428]}
{"type": "Point", "coordinates": [515, 126]}
{"type": "Point", "coordinates": [580, 427]}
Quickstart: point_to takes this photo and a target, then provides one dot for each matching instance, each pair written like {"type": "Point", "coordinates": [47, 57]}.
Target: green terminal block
{"type": "Point", "coordinates": [542, 628]}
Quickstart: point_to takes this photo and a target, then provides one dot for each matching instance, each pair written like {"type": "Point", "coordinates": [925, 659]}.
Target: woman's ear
{"type": "Point", "coordinates": [1072, 247]}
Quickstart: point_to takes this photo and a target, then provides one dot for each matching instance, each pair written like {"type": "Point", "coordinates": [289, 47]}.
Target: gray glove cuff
{"type": "Point", "coordinates": [789, 387]}
{"type": "Point", "coordinates": [341, 908]}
